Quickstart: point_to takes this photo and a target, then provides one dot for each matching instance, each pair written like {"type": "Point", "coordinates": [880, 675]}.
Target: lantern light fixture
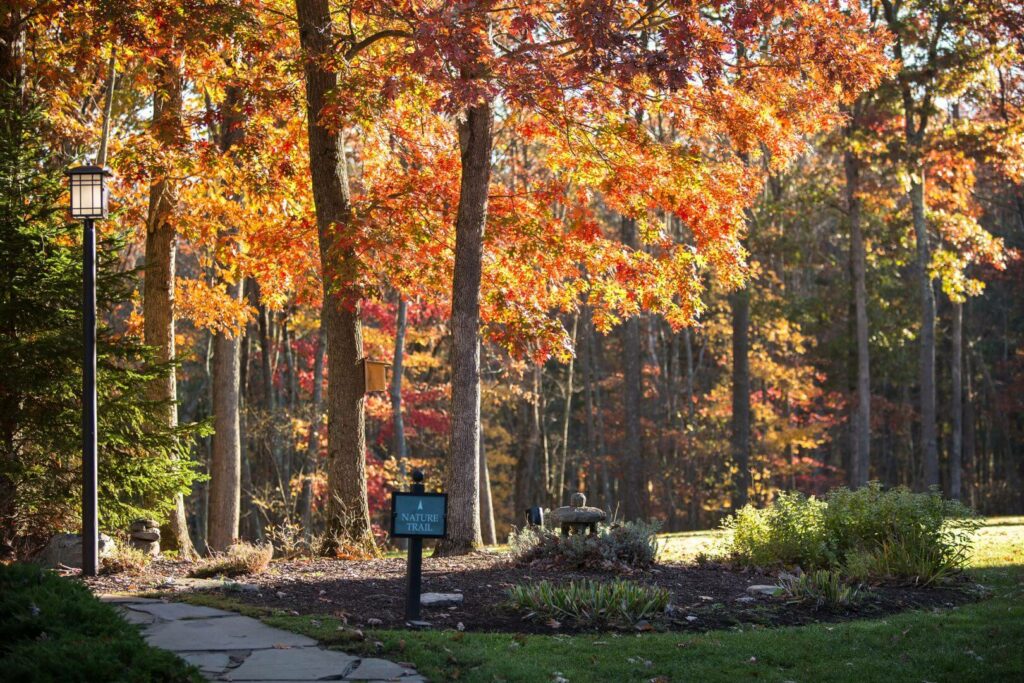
{"type": "Point", "coordinates": [88, 186]}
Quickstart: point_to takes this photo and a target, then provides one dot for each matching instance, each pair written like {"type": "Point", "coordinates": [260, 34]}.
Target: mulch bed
{"type": "Point", "coordinates": [705, 597]}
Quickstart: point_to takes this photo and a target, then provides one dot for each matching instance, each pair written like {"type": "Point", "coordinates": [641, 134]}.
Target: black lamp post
{"type": "Point", "coordinates": [89, 203]}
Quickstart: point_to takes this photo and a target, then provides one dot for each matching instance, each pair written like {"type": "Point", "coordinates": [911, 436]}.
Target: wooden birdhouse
{"type": "Point", "coordinates": [375, 375]}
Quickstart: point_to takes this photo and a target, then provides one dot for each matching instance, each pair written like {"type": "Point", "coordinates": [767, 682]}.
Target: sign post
{"type": "Point", "coordinates": [417, 515]}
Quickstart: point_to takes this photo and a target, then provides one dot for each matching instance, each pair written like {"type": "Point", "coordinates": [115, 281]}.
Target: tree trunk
{"type": "Point", "coordinates": [741, 395]}
{"type": "Point", "coordinates": [348, 510]}
{"type": "Point", "coordinates": [313, 442]}
{"type": "Point", "coordinates": [226, 459]}
{"type": "Point", "coordinates": [488, 531]}
{"type": "Point", "coordinates": [396, 383]}
{"type": "Point", "coordinates": [956, 405]}
{"type": "Point", "coordinates": [634, 498]}
{"type": "Point", "coordinates": [929, 441]}
{"type": "Point", "coordinates": [226, 465]}
{"type": "Point", "coordinates": [158, 286]}
{"type": "Point", "coordinates": [860, 462]}
{"type": "Point", "coordinates": [462, 473]}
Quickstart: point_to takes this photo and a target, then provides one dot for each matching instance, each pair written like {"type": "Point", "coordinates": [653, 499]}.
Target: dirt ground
{"type": "Point", "coordinates": [704, 597]}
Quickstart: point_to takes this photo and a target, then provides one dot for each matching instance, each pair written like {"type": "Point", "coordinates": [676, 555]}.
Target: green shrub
{"type": "Point", "coordinates": [53, 629]}
{"type": "Point", "coordinates": [867, 533]}
{"type": "Point", "coordinates": [823, 586]}
{"type": "Point", "coordinates": [632, 545]}
{"type": "Point", "coordinates": [590, 603]}
{"type": "Point", "coordinates": [790, 531]}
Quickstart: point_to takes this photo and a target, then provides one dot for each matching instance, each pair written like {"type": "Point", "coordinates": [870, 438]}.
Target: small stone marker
{"type": "Point", "coordinates": [759, 589]}
{"type": "Point", "coordinates": [577, 516]}
{"type": "Point", "coordinates": [145, 536]}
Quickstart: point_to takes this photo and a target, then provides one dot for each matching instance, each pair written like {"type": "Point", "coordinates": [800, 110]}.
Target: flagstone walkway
{"type": "Point", "coordinates": [229, 647]}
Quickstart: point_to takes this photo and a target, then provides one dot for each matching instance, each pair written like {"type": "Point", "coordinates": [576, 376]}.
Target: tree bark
{"type": "Point", "coordinates": [860, 463]}
{"type": "Point", "coordinates": [158, 285]}
{"type": "Point", "coordinates": [634, 498]}
{"type": "Point", "coordinates": [226, 457]}
{"type": "Point", "coordinates": [488, 531]}
{"type": "Point", "coordinates": [348, 511]}
{"type": "Point", "coordinates": [313, 442]}
{"type": "Point", "coordinates": [396, 382]}
{"type": "Point", "coordinates": [956, 405]}
{"type": "Point", "coordinates": [741, 395]}
{"type": "Point", "coordinates": [929, 440]}
{"type": "Point", "coordinates": [462, 473]}
{"type": "Point", "coordinates": [226, 461]}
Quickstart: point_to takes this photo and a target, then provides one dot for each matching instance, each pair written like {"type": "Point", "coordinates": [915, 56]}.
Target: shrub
{"type": "Point", "coordinates": [239, 560]}
{"type": "Point", "coordinates": [790, 531]}
{"type": "Point", "coordinates": [53, 629]}
{"type": "Point", "coordinates": [620, 603]}
{"type": "Point", "coordinates": [823, 586]}
{"type": "Point", "coordinates": [867, 533]}
{"type": "Point", "coordinates": [632, 545]}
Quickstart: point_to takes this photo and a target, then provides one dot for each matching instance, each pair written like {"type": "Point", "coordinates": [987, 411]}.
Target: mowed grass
{"type": "Point", "coordinates": [977, 642]}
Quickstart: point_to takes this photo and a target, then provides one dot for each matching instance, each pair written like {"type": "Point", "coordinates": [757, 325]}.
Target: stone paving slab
{"type": "Point", "coordinates": [118, 599]}
{"type": "Point", "coordinates": [210, 663]}
{"type": "Point", "coordinates": [222, 633]}
{"type": "Point", "coordinates": [371, 669]}
{"type": "Point", "coordinates": [229, 647]}
{"type": "Point", "coordinates": [179, 610]}
{"type": "Point", "coordinates": [295, 664]}
{"type": "Point", "coordinates": [133, 617]}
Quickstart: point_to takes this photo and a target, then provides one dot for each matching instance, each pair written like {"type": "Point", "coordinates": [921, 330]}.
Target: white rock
{"type": "Point", "coordinates": [441, 599]}
{"type": "Point", "coordinates": [760, 589]}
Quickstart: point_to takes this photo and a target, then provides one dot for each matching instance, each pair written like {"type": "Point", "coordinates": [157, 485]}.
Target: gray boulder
{"type": "Point", "coordinates": [66, 549]}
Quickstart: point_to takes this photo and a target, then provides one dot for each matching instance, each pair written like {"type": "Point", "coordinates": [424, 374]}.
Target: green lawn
{"type": "Point", "coordinates": [976, 642]}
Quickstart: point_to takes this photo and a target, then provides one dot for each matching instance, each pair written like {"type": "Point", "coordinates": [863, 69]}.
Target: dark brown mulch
{"type": "Point", "coordinates": [705, 597]}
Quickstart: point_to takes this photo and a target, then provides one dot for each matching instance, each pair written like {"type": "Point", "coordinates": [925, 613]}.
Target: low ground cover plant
{"type": "Point", "coordinates": [239, 560]}
{"type": "Point", "coordinates": [865, 534]}
{"type": "Point", "coordinates": [590, 603]}
{"type": "Point", "coordinates": [823, 586]}
{"type": "Point", "coordinates": [627, 546]}
{"type": "Point", "coordinates": [54, 629]}
{"type": "Point", "coordinates": [125, 560]}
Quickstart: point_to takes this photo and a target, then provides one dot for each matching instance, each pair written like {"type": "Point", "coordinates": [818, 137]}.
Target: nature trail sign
{"type": "Point", "coordinates": [422, 515]}
{"type": "Point", "coordinates": [417, 515]}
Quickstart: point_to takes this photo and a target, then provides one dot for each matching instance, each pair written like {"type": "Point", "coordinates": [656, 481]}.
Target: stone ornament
{"type": "Point", "coordinates": [577, 516]}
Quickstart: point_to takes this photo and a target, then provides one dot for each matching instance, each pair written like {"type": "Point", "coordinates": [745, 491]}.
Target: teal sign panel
{"type": "Point", "coordinates": [423, 515]}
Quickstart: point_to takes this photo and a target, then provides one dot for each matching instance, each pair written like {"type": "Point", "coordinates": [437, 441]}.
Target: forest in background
{"type": "Point", "coordinates": [708, 274]}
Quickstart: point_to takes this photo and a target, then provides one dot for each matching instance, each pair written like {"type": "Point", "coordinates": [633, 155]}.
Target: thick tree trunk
{"type": "Point", "coordinates": [462, 475]}
{"type": "Point", "coordinates": [348, 511]}
{"type": "Point", "coordinates": [956, 404]}
{"type": "Point", "coordinates": [158, 286]}
{"type": "Point", "coordinates": [929, 440]}
{"type": "Point", "coordinates": [226, 459]}
{"type": "Point", "coordinates": [226, 464]}
{"type": "Point", "coordinates": [860, 462]}
{"type": "Point", "coordinates": [741, 395]}
{"type": "Point", "coordinates": [634, 498]}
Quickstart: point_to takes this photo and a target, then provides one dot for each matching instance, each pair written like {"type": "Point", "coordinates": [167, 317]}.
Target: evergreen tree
{"type": "Point", "coordinates": [41, 351]}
